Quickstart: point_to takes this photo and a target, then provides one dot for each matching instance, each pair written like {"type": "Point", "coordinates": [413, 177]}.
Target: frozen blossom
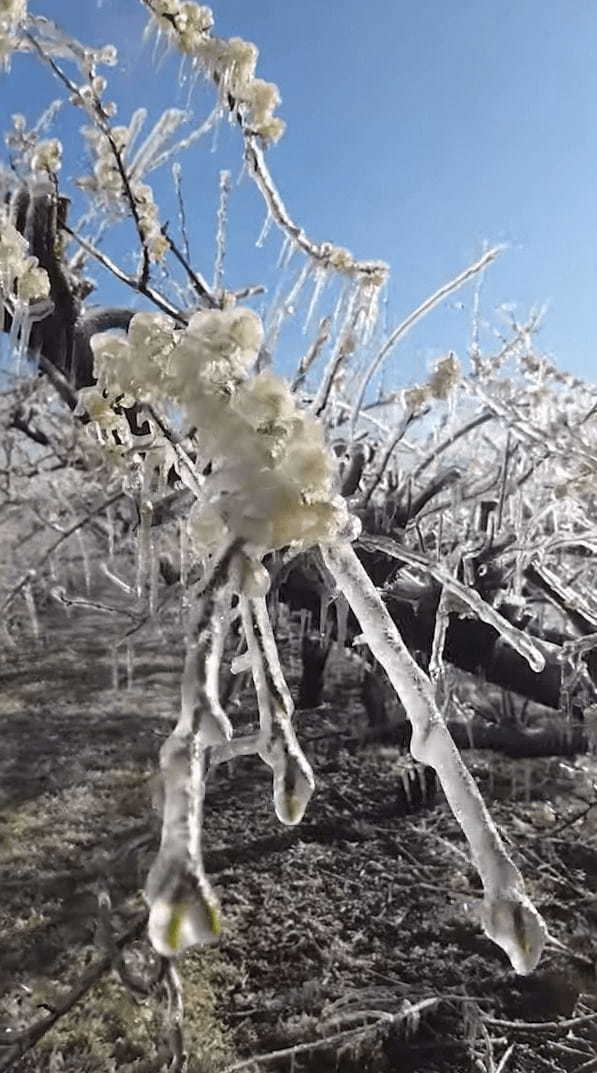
{"type": "Point", "coordinates": [12, 14]}
{"type": "Point", "coordinates": [230, 63]}
{"type": "Point", "coordinates": [47, 156]}
{"type": "Point", "coordinates": [116, 176]}
{"type": "Point", "coordinates": [271, 482]}
{"type": "Point", "coordinates": [18, 269]}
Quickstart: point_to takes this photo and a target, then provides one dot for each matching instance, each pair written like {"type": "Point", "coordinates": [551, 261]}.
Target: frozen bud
{"type": "Point", "coordinates": [307, 459]}
{"type": "Point", "coordinates": [197, 18]}
{"type": "Point", "coordinates": [271, 130]}
{"type": "Point", "coordinates": [47, 156]}
{"type": "Point", "coordinates": [242, 61]}
{"type": "Point", "coordinates": [188, 918]}
{"type": "Point", "coordinates": [158, 247]}
{"type": "Point", "coordinates": [34, 283]}
{"type": "Point", "coordinates": [255, 579]}
{"type": "Point", "coordinates": [230, 336]}
{"type": "Point", "coordinates": [379, 275]}
{"type": "Point", "coordinates": [98, 85]}
{"type": "Point", "coordinates": [514, 924]}
{"type": "Point", "coordinates": [151, 335]}
{"type": "Point", "coordinates": [266, 402]}
{"type": "Point", "coordinates": [415, 398]}
{"type": "Point", "coordinates": [206, 528]}
{"type": "Point", "coordinates": [445, 377]}
{"type": "Point", "coordinates": [293, 781]}
{"type": "Point", "coordinates": [340, 258]}
{"type": "Point", "coordinates": [261, 99]}
{"type": "Point", "coordinates": [120, 137]}
{"type": "Point", "coordinates": [293, 520]}
{"type": "Point", "coordinates": [108, 55]}
{"type": "Point", "coordinates": [92, 402]}
{"type": "Point", "coordinates": [11, 11]}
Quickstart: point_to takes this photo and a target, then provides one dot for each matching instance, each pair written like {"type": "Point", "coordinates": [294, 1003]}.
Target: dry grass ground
{"type": "Point", "coordinates": [358, 928]}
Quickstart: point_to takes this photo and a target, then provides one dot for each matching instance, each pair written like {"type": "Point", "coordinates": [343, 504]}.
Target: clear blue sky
{"type": "Point", "coordinates": [416, 131]}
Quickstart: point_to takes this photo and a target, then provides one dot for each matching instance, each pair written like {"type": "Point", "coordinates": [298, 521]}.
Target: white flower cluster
{"type": "Point", "coordinates": [12, 12]}
{"type": "Point", "coordinates": [230, 63]}
{"type": "Point", "coordinates": [271, 473]}
{"type": "Point", "coordinates": [20, 274]}
{"type": "Point", "coordinates": [107, 185]}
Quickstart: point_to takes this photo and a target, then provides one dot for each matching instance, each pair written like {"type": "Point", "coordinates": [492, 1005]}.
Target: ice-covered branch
{"type": "Point", "coordinates": [464, 595]}
{"type": "Point", "coordinates": [417, 314]}
{"type": "Point", "coordinates": [509, 917]}
{"type": "Point", "coordinates": [278, 745]}
{"type": "Point", "coordinates": [183, 909]}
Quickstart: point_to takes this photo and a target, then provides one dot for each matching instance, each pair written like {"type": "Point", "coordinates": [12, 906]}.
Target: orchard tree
{"type": "Point", "coordinates": [173, 401]}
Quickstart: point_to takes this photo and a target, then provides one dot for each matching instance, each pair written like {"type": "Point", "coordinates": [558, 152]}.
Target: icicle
{"type": "Point", "coordinates": [144, 536]}
{"type": "Point", "coordinates": [324, 603]}
{"type": "Point", "coordinates": [295, 291]}
{"type": "Point", "coordinates": [31, 608]}
{"type": "Point", "coordinates": [406, 786]}
{"type": "Point", "coordinates": [154, 576]}
{"type": "Point", "coordinates": [528, 779]}
{"type": "Point", "coordinates": [341, 604]}
{"type": "Point", "coordinates": [293, 781]}
{"type": "Point", "coordinates": [345, 290]}
{"type": "Point", "coordinates": [182, 551]}
{"type": "Point", "coordinates": [137, 120]}
{"type": "Point", "coordinates": [130, 666]}
{"type": "Point", "coordinates": [321, 278]}
{"type": "Point", "coordinates": [85, 560]}
{"type": "Point", "coordinates": [265, 230]}
{"type": "Point", "coordinates": [115, 665]}
{"type": "Point", "coordinates": [110, 527]}
{"type": "Point", "coordinates": [436, 661]}
{"type": "Point", "coordinates": [105, 569]}
{"type": "Point", "coordinates": [370, 313]}
{"type": "Point", "coordinates": [218, 280]}
{"type": "Point", "coordinates": [305, 617]}
{"type": "Point", "coordinates": [282, 261]}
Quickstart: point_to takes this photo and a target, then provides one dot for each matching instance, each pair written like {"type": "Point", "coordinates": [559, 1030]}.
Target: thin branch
{"type": "Point", "coordinates": [19, 1045]}
{"type": "Point", "coordinates": [199, 284]}
{"type": "Point", "coordinates": [399, 333]}
{"type": "Point", "coordinates": [404, 424]}
{"type": "Point", "coordinates": [319, 252]}
{"type": "Point", "coordinates": [130, 281]}
{"type": "Point", "coordinates": [443, 446]}
{"type": "Point", "coordinates": [26, 578]}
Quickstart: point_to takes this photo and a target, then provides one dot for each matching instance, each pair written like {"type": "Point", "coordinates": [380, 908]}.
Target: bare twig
{"type": "Point", "coordinates": [27, 578]}
{"type": "Point", "coordinates": [13, 1049]}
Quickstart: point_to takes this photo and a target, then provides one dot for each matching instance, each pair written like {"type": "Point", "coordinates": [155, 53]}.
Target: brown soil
{"type": "Point", "coordinates": [357, 928]}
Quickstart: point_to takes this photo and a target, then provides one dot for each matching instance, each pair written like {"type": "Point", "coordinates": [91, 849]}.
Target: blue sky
{"type": "Point", "coordinates": [416, 132]}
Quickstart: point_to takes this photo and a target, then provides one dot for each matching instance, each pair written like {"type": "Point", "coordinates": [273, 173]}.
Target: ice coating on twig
{"type": "Point", "coordinates": [293, 781]}
{"type": "Point", "coordinates": [519, 641]}
{"type": "Point", "coordinates": [509, 917]}
{"type": "Point", "coordinates": [183, 909]}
